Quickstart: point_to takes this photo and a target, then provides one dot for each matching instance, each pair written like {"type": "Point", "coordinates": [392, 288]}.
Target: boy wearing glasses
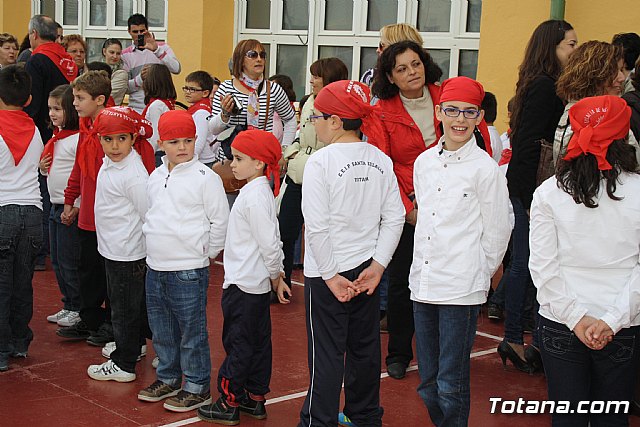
{"type": "Point", "coordinates": [197, 87]}
{"type": "Point", "coordinates": [463, 206]}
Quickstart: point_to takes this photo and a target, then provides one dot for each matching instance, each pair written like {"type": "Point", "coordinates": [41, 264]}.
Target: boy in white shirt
{"type": "Point", "coordinates": [20, 212]}
{"type": "Point", "coordinates": [185, 225]}
{"type": "Point", "coordinates": [120, 208]}
{"type": "Point", "coordinates": [353, 221]}
{"type": "Point", "coordinates": [461, 236]}
{"type": "Point", "coordinates": [198, 86]}
{"type": "Point", "coordinates": [252, 267]}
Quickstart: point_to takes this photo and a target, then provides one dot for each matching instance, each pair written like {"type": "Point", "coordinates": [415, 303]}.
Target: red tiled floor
{"type": "Point", "coordinates": [51, 386]}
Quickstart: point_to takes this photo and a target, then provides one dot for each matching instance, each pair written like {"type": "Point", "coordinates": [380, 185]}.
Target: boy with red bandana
{"type": "Point", "coordinates": [353, 220]}
{"type": "Point", "coordinates": [120, 208]}
{"type": "Point", "coordinates": [20, 213]}
{"type": "Point", "coordinates": [253, 266]}
{"type": "Point", "coordinates": [461, 236]}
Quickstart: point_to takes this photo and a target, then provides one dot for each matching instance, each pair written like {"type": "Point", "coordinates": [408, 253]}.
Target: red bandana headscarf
{"type": "Point", "coordinates": [597, 122]}
{"type": "Point", "coordinates": [464, 89]}
{"type": "Point", "coordinates": [116, 120]}
{"type": "Point", "coordinates": [262, 146]}
{"type": "Point", "coordinates": [176, 124]}
{"type": "Point", "coordinates": [17, 130]}
{"type": "Point", "coordinates": [349, 99]}
{"type": "Point", "coordinates": [60, 58]}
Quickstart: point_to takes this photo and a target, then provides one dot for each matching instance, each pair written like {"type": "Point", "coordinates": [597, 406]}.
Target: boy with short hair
{"type": "Point", "coordinates": [253, 266]}
{"type": "Point", "coordinates": [353, 220]}
{"type": "Point", "coordinates": [185, 225]}
{"type": "Point", "coordinates": [90, 93]}
{"type": "Point", "coordinates": [463, 206]}
{"type": "Point", "coordinates": [120, 208]}
{"type": "Point", "coordinates": [20, 212]}
{"type": "Point", "coordinates": [198, 86]}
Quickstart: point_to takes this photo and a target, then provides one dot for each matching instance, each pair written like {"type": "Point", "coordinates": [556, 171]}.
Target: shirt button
{"type": "Point", "coordinates": [439, 189]}
{"type": "Point", "coordinates": [445, 165]}
{"type": "Point", "coordinates": [433, 214]}
{"type": "Point", "coordinates": [426, 262]}
{"type": "Point", "coordinates": [458, 158]}
{"type": "Point", "coordinates": [428, 237]}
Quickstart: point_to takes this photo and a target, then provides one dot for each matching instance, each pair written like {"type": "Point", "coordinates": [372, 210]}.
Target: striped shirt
{"type": "Point", "coordinates": [278, 103]}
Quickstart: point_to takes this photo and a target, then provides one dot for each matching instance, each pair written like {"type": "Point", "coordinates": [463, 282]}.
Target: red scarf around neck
{"type": "Point", "coordinates": [89, 150]}
{"type": "Point", "coordinates": [17, 130]}
{"type": "Point", "coordinates": [170, 103]}
{"type": "Point", "coordinates": [58, 134]}
{"type": "Point", "coordinates": [203, 104]}
{"type": "Point", "coordinates": [61, 59]}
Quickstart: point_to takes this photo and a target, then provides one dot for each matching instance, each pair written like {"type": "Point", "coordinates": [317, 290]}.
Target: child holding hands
{"type": "Point", "coordinates": [253, 266]}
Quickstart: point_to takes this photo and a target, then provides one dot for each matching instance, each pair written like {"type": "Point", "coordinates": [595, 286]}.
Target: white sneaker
{"type": "Point", "coordinates": [111, 346]}
{"type": "Point", "coordinates": [53, 318]}
{"type": "Point", "coordinates": [155, 362]}
{"type": "Point", "coordinates": [109, 371]}
{"type": "Point", "coordinates": [70, 319]}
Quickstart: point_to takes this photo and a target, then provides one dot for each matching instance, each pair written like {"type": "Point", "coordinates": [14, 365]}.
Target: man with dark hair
{"type": "Point", "coordinates": [630, 43]}
{"type": "Point", "coordinates": [144, 51]}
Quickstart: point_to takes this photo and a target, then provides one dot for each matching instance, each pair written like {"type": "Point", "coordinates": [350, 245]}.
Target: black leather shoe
{"type": "Point", "coordinates": [494, 311]}
{"type": "Point", "coordinates": [397, 370]}
{"type": "Point", "coordinates": [507, 352]}
{"type": "Point", "coordinates": [253, 407]}
{"type": "Point", "coordinates": [220, 412]}
{"type": "Point", "coordinates": [103, 335]}
{"type": "Point", "coordinates": [79, 331]}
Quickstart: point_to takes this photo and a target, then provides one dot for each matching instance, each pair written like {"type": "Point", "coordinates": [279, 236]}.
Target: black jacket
{"type": "Point", "coordinates": [633, 100]}
{"type": "Point", "coordinates": [538, 119]}
{"type": "Point", "coordinates": [45, 77]}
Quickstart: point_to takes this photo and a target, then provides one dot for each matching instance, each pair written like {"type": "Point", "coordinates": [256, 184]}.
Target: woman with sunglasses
{"type": "Point", "coordinates": [244, 100]}
{"type": "Point", "coordinates": [405, 84]}
{"type": "Point", "coordinates": [112, 56]}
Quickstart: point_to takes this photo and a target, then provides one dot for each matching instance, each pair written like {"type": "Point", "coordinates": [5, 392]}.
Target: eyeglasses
{"type": "Point", "coordinates": [254, 54]}
{"type": "Point", "coordinates": [455, 112]}
{"type": "Point", "coordinates": [313, 118]}
{"type": "Point", "coordinates": [191, 89]}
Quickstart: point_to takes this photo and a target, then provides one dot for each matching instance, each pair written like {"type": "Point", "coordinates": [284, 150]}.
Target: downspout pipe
{"type": "Point", "coordinates": [557, 9]}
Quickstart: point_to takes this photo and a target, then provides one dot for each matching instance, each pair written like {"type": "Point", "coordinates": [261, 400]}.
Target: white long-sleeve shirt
{"type": "Point", "coordinates": [204, 138]}
{"type": "Point", "coordinates": [19, 184]}
{"type": "Point", "coordinates": [496, 143]}
{"type": "Point", "coordinates": [64, 156]}
{"type": "Point", "coordinates": [352, 209]}
{"type": "Point", "coordinates": [585, 261]}
{"type": "Point", "coordinates": [253, 250]}
{"type": "Point", "coordinates": [120, 208]}
{"type": "Point", "coordinates": [155, 110]}
{"type": "Point", "coordinates": [187, 218]}
{"type": "Point", "coordinates": [463, 226]}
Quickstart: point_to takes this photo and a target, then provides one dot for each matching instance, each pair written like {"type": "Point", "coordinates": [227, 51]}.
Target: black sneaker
{"type": "Point", "coordinates": [103, 335]}
{"type": "Point", "coordinates": [220, 412]}
{"type": "Point", "coordinates": [494, 312]}
{"type": "Point", "coordinates": [79, 331]}
{"type": "Point", "coordinates": [253, 407]}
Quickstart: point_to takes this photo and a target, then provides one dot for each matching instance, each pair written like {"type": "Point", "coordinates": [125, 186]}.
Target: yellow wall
{"type": "Point", "coordinates": [507, 25]}
{"type": "Point", "coordinates": [200, 32]}
{"type": "Point", "coordinates": [14, 17]}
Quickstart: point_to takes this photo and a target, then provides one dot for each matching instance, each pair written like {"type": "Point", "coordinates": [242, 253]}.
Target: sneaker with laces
{"type": "Point", "coordinates": [344, 421]}
{"type": "Point", "coordinates": [220, 412]}
{"type": "Point", "coordinates": [53, 318]}
{"type": "Point", "coordinates": [17, 353]}
{"type": "Point", "coordinates": [79, 331]}
{"type": "Point", "coordinates": [4, 364]}
{"type": "Point", "coordinates": [103, 335]}
{"type": "Point", "coordinates": [111, 346]}
{"type": "Point", "coordinates": [157, 392]}
{"type": "Point", "coordinates": [253, 406]}
{"type": "Point", "coordinates": [70, 319]}
{"type": "Point", "coordinates": [185, 401]}
{"type": "Point", "coordinates": [109, 371]}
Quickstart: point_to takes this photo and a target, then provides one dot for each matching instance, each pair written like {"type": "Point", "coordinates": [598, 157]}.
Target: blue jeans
{"type": "Point", "coordinates": [20, 241]}
{"type": "Point", "coordinates": [65, 257]}
{"type": "Point", "coordinates": [444, 338]}
{"type": "Point", "coordinates": [516, 285]}
{"type": "Point", "coordinates": [176, 306]}
{"type": "Point", "coordinates": [575, 372]}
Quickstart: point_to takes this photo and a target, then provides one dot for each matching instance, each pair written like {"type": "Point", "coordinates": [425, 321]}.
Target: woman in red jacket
{"type": "Point", "coordinates": [405, 84]}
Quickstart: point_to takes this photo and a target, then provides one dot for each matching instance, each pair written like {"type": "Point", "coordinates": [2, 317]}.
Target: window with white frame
{"type": "Point", "coordinates": [98, 20]}
{"type": "Point", "coordinates": [297, 32]}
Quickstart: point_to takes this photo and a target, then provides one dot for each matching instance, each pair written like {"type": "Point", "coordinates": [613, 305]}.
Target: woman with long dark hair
{"type": "Point", "coordinates": [536, 110]}
{"type": "Point", "coordinates": [405, 84]}
{"type": "Point", "coordinates": [585, 240]}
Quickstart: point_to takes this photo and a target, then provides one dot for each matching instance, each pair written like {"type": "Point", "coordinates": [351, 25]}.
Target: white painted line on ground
{"type": "Point", "coordinates": [300, 394]}
{"type": "Point", "coordinates": [486, 335]}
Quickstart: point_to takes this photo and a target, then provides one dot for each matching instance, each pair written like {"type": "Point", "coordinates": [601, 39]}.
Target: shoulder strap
{"type": "Point", "coordinates": [266, 117]}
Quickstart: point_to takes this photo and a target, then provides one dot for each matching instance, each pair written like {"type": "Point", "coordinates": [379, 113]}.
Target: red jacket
{"type": "Point", "coordinates": [403, 140]}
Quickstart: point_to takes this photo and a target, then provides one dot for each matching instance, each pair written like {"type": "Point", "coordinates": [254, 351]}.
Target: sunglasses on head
{"type": "Point", "coordinates": [254, 54]}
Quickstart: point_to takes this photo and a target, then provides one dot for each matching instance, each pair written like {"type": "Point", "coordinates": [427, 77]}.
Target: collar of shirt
{"type": "Point", "coordinates": [108, 163]}
{"type": "Point", "coordinates": [459, 155]}
{"type": "Point", "coordinates": [261, 180]}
